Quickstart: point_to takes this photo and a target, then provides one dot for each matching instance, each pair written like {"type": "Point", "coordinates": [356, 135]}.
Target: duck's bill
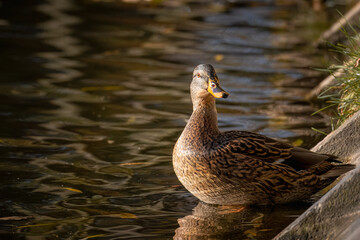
{"type": "Point", "coordinates": [217, 91]}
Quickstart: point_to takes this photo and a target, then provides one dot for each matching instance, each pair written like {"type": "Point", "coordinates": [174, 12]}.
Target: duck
{"type": "Point", "coordinates": [243, 167]}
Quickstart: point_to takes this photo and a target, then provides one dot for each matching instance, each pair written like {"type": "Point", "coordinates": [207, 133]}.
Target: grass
{"type": "Point", "coordinates": [344, 96]}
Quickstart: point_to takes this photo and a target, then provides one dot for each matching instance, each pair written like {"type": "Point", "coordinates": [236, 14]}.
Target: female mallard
{"type": "Point", "coordinates": [239, 167]}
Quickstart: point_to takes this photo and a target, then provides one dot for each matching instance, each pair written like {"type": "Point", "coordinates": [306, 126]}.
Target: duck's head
{"type": "Point", "coordinates": [205, 81]}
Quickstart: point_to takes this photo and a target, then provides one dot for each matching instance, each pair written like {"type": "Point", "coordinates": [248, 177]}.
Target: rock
{"type": "Point", "coordinates": [333, 216]}
{"type": "Point", "coordinates": [352, 232]}
{"type": "Point", "coordinates": [337, 214]}
{"type": "Point", "coordinates": [344, 142]}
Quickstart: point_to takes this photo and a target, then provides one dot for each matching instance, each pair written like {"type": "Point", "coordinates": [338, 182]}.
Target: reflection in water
{"type": "Point", "coordinates": [211, 222]}
{"type": "Point", "coordinates": [89, 123]}
{"type": "Point", "coordinates": [232, 222]}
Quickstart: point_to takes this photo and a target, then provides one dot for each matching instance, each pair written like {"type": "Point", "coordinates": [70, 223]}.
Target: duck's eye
{"type": "Point", "coordinates": [213, 85]}
{"type": "Point", "coordinates": [198, 75]}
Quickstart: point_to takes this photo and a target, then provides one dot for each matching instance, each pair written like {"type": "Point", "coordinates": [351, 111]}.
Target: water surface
{"type": "Point", "coordinates": [95, 93]}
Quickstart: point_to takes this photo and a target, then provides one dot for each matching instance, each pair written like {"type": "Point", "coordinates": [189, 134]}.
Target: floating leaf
{"type": "Point", "coordinates": [298, 142]}
{"type": "Point", "coordinates": [218, 57]}
{"type": "Point", "coordinates": [265, 230]}
{"type": "Point", "coordinates": [74, 190]}
{"type": "Point", "coordinates": [250, 233]}
{"type": "Point", "coordinates": [131, 120]}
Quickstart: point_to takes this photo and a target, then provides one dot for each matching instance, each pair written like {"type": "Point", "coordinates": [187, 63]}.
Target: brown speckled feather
{"type": "Point", "coordinates": [254, 145]}
{"type": "Point", "coordinates": [240, 167]}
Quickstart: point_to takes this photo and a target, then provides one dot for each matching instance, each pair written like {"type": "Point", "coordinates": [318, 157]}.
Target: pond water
{"type": "Point", "coordinates": [95, 93]}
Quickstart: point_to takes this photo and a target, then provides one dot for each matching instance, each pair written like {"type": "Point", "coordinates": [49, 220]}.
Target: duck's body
{"type": "Point", "coordinates": [239, 167]}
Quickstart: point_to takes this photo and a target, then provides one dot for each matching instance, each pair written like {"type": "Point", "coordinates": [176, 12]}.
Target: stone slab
{"type": "Point", "coordinates": [337, 214]}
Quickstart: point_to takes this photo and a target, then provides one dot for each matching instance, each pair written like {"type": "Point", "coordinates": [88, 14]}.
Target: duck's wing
{"type": "Point", "coordinates": [270, 150]}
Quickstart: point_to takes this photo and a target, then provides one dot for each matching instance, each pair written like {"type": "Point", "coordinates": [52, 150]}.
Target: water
{"type": "Point", "coordinates": [95, 93]}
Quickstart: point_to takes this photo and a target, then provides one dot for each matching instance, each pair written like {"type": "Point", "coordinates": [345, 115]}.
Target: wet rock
{"type": "Point", "coordinates": [337, 214]}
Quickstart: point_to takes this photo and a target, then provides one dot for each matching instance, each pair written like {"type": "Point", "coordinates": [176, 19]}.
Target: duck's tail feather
{"type": "Point", "coordinates": [336, 171]}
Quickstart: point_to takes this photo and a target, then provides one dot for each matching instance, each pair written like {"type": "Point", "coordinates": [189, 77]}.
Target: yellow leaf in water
{"type": "Point", "coordinates": [124, 215]}
{"type": "Point", "coordinates": [298, 142]}
{"type": "Point", "coordinates": [219, 57]}
{"type": "Point", "coordinates": [250, 232]}
{"type": "Point", "coordinates": [265, 230]}
{"type": "Point", "coordinates": [73, 190]}
{"type": "Point", "coordinates": [131, 120]}
{"type": "Point", "coordinates": [94, 236]}
{"type": "Point", "coordinates": [131, 163]}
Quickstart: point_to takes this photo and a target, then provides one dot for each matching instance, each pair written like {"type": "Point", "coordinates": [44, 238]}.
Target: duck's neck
{"type": "Point", "coordinates": [202, 127]}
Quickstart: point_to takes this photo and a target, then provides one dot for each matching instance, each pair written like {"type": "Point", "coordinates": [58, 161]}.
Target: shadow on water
{"type": "Point", "coordinates": [95, 93]}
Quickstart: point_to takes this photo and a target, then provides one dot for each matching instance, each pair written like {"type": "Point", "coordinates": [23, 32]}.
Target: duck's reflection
{"type": "Point", "coordinates": [234, 222]}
